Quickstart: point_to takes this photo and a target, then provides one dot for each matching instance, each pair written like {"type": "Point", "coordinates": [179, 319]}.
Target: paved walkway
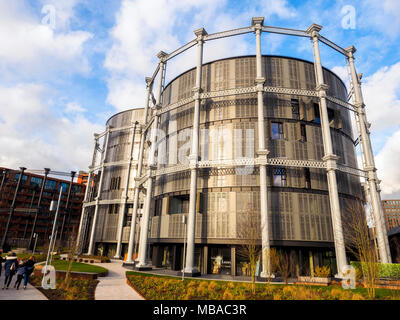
{"type": "Point", "coordinates": [114, 286]}
{"type": "Point", "coordinates": [30, 293]}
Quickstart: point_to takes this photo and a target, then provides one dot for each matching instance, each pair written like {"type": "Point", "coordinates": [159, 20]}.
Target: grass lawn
{"type": "Point", "coordinates": [62, 265]}
{"type": "Point", "coordinates": [157, 287]}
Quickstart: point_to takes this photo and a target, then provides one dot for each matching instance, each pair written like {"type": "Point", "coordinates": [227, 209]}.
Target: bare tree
{"type": "Point", "coordinates": [72, 251]}
{"type": "Point", "coordinates": [360, 243]}
{"type": "Point", "coordinates": [249, 231]}
{"type": "Point", "coordinates": [282, 263]}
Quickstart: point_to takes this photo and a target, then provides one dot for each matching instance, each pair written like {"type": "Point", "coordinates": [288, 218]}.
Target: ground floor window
{"type": "Point", "coordinates": [220, 260]}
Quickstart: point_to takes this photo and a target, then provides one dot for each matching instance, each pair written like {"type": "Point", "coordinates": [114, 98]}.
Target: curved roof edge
{"type": "Point", "coordinates": [122, 112]}
{"type": "Point", "coordinates": [246, 56]}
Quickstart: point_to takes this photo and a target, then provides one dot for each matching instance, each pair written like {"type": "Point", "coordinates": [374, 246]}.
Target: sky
{"type": "Point", "coordinates": [66, 66]}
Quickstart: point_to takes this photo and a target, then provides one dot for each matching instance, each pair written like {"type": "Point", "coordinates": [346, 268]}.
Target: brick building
{"type": "Point", "coordinates": [29, 212]}
{"type": "Point", "coordinates": [391, 209]}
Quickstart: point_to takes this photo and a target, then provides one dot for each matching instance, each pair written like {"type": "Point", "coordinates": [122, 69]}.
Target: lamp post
{"type": "Point", "coordinates": [12, 206]}
{"type": "Point", "coordinates": [52, 204]}
{"type": "Point", "coordinates": [46, 172]}
{"type": "Point", "coordinates": [35, 236]}
{"type": "Point", "coordinates": [184, 247]}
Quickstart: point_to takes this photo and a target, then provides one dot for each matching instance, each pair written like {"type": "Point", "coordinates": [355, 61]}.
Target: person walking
{"type": "Point", "coordinates": [20, 275]}
{"type": "Point", "coordinates": [29, 266]}
{"type": "Point", "coordinates": [10, 267]}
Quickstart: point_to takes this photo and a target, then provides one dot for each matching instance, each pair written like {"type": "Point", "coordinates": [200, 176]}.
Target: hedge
{"type": "Point", "coordinates": [386, 270]}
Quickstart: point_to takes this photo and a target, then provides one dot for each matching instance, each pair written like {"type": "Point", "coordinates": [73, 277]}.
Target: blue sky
{"type": "Point", "coordinates": [66, 66]}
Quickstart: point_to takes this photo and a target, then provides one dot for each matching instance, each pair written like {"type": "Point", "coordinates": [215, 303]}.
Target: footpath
{"type": "Point", "coordinates": [30, 293]}
{"type": "Point", "coordinates": [114, 286]}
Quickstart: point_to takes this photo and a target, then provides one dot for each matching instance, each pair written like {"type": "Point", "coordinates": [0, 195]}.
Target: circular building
{"type": "Point", "coordinates": [244, 150]}
{"type": "Point", "coordinates": [298, 201]}
{"type": "Point", "coordinates": [112, 180]}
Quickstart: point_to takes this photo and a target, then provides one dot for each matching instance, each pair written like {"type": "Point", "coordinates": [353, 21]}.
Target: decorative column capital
{"type": "Point", "coordinates": [262, 156]}
{"type": "Point", "coordinates": [262, 152]}
{"type": "Point", "coordinates": [200, 33]}
{"type": "Point", "coordinates": [193, 161]}
{"type": "Point", "coordinates": [161, 55]}
{"type": "Point", "coordinates": [314, 30]}
{"type": "Point", "coordinates": [196, 92]}
{"type": "Point", "coordinates": [330, 160]}
{"type": "Point", "coordinates": [148, 81]}
{"type": "Point", "coordinates": [350, 51]}
{"type": "Point", "coordinates": [257, 23]}
{"type": "Point", "coordinates": [260, 82]}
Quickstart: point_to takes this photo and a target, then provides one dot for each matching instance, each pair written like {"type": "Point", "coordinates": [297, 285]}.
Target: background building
{"type": "Point", "coordinates": [269, 136]}
{"type": "Point", "coordinates": [112, 181]}
{"type": "Point", "coordinates": [30, 213]}
{"type": "Point", "coordinates": [391, 209]}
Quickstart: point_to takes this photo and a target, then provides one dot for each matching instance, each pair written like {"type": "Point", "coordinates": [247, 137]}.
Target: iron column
{"type": "Point", "coordinates": [384, 250]}
{"type": "Point", "coordinates": [329, 158]}
{"type": "Point", "coordinates": [12, 206]}
{"type": "Point", "coordinates": [194, 159]}
{"type": "Point", "coordinates": [46, 172]}
{"type": "Point", "coordinates": [129, 258]}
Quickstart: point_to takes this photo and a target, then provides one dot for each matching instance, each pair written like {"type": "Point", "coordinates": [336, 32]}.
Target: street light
{"type": "Point", "coordinates": [52, 205]}
{"type": "Point", "coordinates": [35, 236]}
{"type": "Point", "coordinates": [184, 246]}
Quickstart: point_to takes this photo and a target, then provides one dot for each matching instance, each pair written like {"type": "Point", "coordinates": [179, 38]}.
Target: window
{"type": "Point", "coordinates": [303, 132]}
{"type": "Point", "coordinates": [276, 130]}
{"type": "Point", "coordinates": [64, 185]}
{"type": "Point", "coordinates": [115, 183]}
{"type": "Point", "coordinates": [307, 178]}
{"type": "Point", "coordinates": [317, 118]}
{"type": "Point", "coordinates": [75, 188]}
{"type": "Point", "coordinates": [295, 108]}
{"type": "Point", "coordinates": [279, 177]}
{"type": "Point", "coordinates": [36, 181]}
{"type": "Point", "coordinates": [331, 116]}
{"type": "Point", "coordinates": [50, 184]}
{"type": "Point", "coordinates": [24, 177]}
{"type": "Point", "coordinates": [113, 208]}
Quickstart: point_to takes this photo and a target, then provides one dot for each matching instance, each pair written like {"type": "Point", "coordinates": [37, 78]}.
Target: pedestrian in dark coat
{"type": "Point", "coordinates": [10, 267]}
{"type": "Point", "coordinates": [20, 275]}
{"type": "Point", "coordinates": [29, 267]}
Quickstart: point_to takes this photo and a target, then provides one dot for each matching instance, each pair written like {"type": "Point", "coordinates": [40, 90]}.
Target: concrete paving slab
{"type": "Point", "coordinates": [114, 286]}
{"type": "Point", "coordinates": [30, 293]}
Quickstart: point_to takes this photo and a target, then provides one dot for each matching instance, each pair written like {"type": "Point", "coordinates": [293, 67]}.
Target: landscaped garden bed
{"type": "Point", "coordinates": [154, 287]}
{"type": "Point", "coordinates": [82, 283]}
{"type": "Point", "coordinates": [78, 271]}
{"type": "Point", "coordinates": [89, 259]}
{"type": "Point", "coordinates": [78, 289]}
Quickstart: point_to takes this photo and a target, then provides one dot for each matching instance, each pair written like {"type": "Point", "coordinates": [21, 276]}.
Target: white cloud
{"type": "Point", "coordinates": [381, 95]}
{"type": "Point", "coordinates": [74, 107]}
{"type": "Point", "coordinates": [143, 28]}
{"type": "Point", "coordinates": [34, 137]}
{"type": "Point", "coordinates": [30, 48]}
{"type": "Point", "coordinates": [387, 163]}
{"type": "Point", "coordinates": [381, 15]}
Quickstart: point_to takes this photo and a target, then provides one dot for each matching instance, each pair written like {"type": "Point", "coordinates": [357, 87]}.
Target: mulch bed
{"type": "Point", "coordinates": [79, 289]}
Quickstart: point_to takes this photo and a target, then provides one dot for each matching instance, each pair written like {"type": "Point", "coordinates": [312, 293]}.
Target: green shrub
{"type": "Point", "coordinates": [101, 258]}
{"type": "Point", "coordinates": [386, 270]}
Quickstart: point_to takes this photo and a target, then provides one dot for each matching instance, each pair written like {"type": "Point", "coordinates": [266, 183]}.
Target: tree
{"type": "Point", "coordinates": [72, 250]}
{"type": "Point", "coordinates": [282, 263]}
{"type": "Point", "coordinates": [249, 231]}
{"type": "Point", "coordinates": [360, 243]}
